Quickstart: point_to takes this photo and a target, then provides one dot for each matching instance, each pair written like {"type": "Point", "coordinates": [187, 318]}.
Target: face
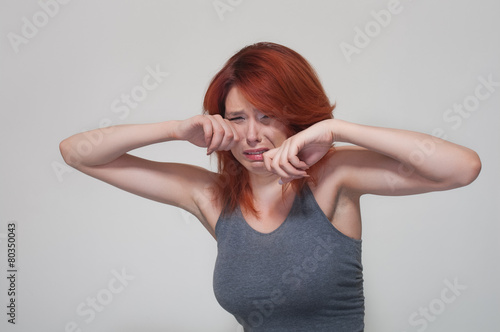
{"type": "Point", "coordinates": [259, 133]}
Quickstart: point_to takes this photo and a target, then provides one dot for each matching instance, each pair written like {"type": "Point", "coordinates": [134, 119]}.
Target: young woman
{"type": "Point", "coordinates": [284, 206]}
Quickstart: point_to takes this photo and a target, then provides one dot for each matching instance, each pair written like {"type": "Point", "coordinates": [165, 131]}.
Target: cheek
{"type": "Point", "coordinates": [275, 134]}
{"type": "Point", "coordinates": [239, 130]}
{"type": "Point", "coordinates": [280, 137]}
{"type": "Point", "coordinates": [282, 133]}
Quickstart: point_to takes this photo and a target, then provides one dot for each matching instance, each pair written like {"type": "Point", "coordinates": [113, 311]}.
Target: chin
{"type": "Point", "coordinates": [256, 167]}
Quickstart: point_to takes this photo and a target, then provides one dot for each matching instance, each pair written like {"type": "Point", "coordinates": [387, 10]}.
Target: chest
{"type": "Point", "coordinates": [304, 267]}
{"type": "Point", "coordinates": [269, 218]}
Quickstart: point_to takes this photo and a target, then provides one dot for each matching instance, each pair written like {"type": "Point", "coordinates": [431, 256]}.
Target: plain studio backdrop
{"type": "Point", "coordinates": [90, 257]}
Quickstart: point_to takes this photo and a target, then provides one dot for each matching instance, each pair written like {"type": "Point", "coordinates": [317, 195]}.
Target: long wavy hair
{"type": "Point", "coordinates": [280, 83]}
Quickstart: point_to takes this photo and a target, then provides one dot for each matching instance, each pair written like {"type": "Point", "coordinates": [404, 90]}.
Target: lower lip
{"type": "Point", "coordinates": [255, 157]}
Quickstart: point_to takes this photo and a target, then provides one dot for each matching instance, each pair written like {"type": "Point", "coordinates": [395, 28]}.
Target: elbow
{"type": "Point", "coordinates": [68, 154]}
{"type": "Point", "coordinates": [470, 169]}
{"type": "Point", "coordinates": [64, 149]}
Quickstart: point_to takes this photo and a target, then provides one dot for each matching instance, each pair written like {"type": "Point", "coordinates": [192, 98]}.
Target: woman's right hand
{"type": "Point", "coordinates": [208, 131]}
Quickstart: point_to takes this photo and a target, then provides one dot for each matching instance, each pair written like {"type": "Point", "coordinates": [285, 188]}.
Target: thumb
{"type": "Point", "coordinates": [207, 131]}
{"type": "Point", "coordinates": [268, 158]}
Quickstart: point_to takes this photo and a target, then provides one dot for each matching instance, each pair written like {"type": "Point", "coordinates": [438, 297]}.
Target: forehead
{"type": "Point", "coordinates": [235, 101]}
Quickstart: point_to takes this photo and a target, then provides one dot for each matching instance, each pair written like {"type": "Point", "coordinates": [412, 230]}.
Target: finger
{"type": "Point", "coordinates": [207, 131]}
{"type": "Point", "coordinates": [268, 158]}
{"type": "Point", "coordinates": [295, 161]}
{"type": "Point", "coordinates": [293, 155]}
{"type": "Point", "coordinates": [217, 135]}
{"type": "Point", "coordinates": [298, 164]}
{"type": "Point", "coordinates": [283, 161]}
{"type": "Point", "coordinates": [291, 171]}
{"type": "Point", "coordinates": [284, 171]}
{"type": "Point", "coordinates": [276, 162]}
{"type": "Point", "coordinates": [230, 137]}
{"type": "Point", "coordinates": [236, 135]}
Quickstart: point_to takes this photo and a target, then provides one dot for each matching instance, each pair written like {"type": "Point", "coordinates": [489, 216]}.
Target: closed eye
{"type": "Point", "coordinates": [236, 118]}
{"type": "Point", "coordinates": [265, 119]}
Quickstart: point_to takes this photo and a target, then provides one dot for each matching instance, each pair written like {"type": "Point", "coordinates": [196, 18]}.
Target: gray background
{"type": "Point", "coordinates": [75, 233]}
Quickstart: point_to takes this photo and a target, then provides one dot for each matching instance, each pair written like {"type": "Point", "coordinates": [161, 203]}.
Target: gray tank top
{"type": "Point", "coordinates": [304, 276]}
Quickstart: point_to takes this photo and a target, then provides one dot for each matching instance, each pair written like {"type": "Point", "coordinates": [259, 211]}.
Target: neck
{"type": "Point", "coordinates": [267, 191]}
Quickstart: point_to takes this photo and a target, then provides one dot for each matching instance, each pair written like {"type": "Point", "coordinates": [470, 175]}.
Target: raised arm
{"type": "Point", "coordinates": [400, 162]}
{"type": "Point", "coordinates": [102, 153]}
{"type": "Point", "coordinates": [101, 146]}
{"type": "Point", "coordinates": [385, 161]}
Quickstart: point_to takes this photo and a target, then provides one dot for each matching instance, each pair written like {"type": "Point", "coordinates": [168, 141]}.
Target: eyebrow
{"type": "Point", "coordinates": [234, 113]}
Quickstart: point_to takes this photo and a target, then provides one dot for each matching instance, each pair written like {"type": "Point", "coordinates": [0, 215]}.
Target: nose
{"type": "Point", "coordinates": [253, 134]}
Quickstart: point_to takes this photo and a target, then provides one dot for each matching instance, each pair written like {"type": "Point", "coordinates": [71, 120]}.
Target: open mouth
{"type": "Point", "coordinates": [255, 155]}
{"type": "Point", "coordinates": [255, 152]}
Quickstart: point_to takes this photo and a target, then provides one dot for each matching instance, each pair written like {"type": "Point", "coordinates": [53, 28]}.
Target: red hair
{"type": "Point", "coordinates": [280, 83]}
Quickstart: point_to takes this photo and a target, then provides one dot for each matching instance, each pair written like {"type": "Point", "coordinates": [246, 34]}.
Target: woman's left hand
{"type": "Point", "coordinates": [300, 151]}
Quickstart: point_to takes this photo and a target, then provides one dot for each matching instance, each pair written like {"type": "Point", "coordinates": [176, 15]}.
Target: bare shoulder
{"type": "Point", "coordinates": [202, 187]}
{"type": "Point", "coordinates": [206, 198]}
